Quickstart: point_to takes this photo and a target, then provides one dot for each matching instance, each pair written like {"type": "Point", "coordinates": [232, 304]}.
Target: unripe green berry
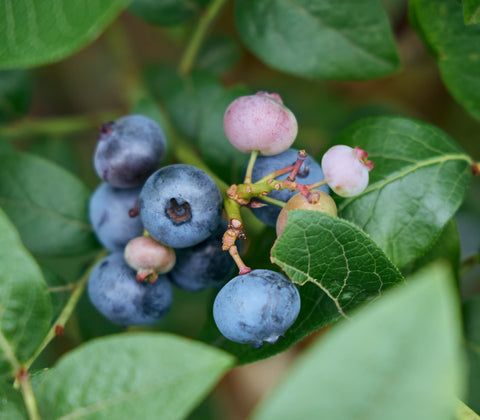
{"type": "Point", "coordinates": [319, 201]}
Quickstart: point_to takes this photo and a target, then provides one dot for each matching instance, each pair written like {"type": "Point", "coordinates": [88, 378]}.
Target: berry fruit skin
{"type": "Point", "coordinates": [149, 257]}
{"type": "Point", "coordinates": [129, 150]}
{"type": "Point", "coordinates": [346, 170]}
{"type": "Point", "coordinates": [204, 265]}
{"type": "Point", "coordinates": [109, 212]}
{"type": "Point", "coordinates": [309, 172]}
{"type": "Point", "coordinates": [260, 122]}
{"type": "Point", "coordinates": [116, 293]}
{"type": "Point", "coordinates": [180, 205]}
{"type": "Point", "coordinates": [256, 307]}
{"type": "Point", "coordinates": [320, 201]}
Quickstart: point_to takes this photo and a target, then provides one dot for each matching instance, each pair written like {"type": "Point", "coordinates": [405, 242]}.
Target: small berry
{"type": "Point", "coordinates": [256, 307]}
{"type": "Point", "coordinates": [346, 170]}
{"type": "Point", "coordinates": [260, 122]}
{"type": "Point", "coordinates": [180, 205]}
{"type": "Point", "coordinates": [320, 201]}
{"type": "Point", "coordinates": [129, 150]}
{"type": "Point", "coordinates": [114, 290]}
{"type": "Point", "coordinates": [149, 258]}
{"type": "Point", "coordinates": [111, 213]}
{"type": "Point", "coordinates": [203, 265]}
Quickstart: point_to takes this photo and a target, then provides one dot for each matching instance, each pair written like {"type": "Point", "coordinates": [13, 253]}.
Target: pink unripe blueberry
{"type": "Point", "coordinates": [260, 122]}
{"type": "Point", "coordinates": [346, 170]}
{"type": "Point", "coordinates": [319, 201]}
{"type": "Point", "coordinates": [149, 257]}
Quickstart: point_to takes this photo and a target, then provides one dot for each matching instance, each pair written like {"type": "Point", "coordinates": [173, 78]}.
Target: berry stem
{"type": "Point", "coordinates": [277, 173]}
{"type": "Point", "coordinates": [242, 268]}
{"type": "Point", "coordinates": [67, 310]}
{"type": "Point", "coordinates": [23, 379]}
{"type": "Point", "coordinates": [316, 184]}
{"type": "Point", "coordinates": [273, 201]}
{"type": "Point", "coordinates": [251, 163]}
{"type": "Point", "coordinates": [302, 155]}
{"type": "Point", "coordinates": [191, 52]}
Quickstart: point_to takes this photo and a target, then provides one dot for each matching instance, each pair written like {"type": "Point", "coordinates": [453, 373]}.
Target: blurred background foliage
{"type": "Point", "coordinates": [53, 111]}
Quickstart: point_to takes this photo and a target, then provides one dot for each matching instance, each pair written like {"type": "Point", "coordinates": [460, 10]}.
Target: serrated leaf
{"type": "Point", "coordinates": [455, 47]}
{"type": "Point", "coordinates": [397, 359]}
{"type": "Point", "coordinates": [47, 204]}
{"type": "Point", "coordinates": [336, 256]}
{"type": "Point", "coordinates": [471, 11]}
{"type": "Point", "coordinates": [340, 268]}
{"type": "Point", "coordinates": [216, 150]}
{"type": "Point", "coordinates": [418, 182]}
{"type": "Point", "coordinates": [165, 12]}
{"type": "Point", "coordinates": [130, 376]}
{"type": "Point", "coordinates": [471, 317]}
{"type": "Point", "coordinates": [319, 39]}
{"type": "Point", "coordinates": [25, 307]}
{"type": "Point", "coordinates": [11, 404]}
{"type": "Point", "coordinates": [39, 32]}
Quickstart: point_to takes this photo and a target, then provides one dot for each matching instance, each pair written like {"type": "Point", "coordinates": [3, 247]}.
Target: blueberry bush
{"type": "Point", "coordinates": [147, 149]}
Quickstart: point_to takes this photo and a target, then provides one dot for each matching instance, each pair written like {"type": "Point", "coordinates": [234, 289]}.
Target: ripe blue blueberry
{"type": "Point", "coordinates": [129, 150]}
{"type": "Point", "coordinates": [180, 205]}
{"type": "Point", "coordinates": [309, 172]}
{"type": "Point", "coordinates": [256, 307]}
{"type": "Point", "coordinates": [203, 265]}
{"type": "Point", "coordinates": [116, 293]}
{"type": "Point", "coordinates": [114, 216]}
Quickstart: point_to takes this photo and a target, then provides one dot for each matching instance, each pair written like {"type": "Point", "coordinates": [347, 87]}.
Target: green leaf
{"type": "Point", "coordinates": [447, 247]}
{"type": "Point", "coordinates": [216, 150]}
{"type": "Point", "coordinates": [418, 182]}
{"type": "Point", "coordinates": [471, 317]}
{"type": "Point", "coordinates": [59, 290]}
{"type": "Point", "coordinates": [187, 98]}
{"type": "Point", "coordinates": [15, 94]}
{"type": "Point", "coordinates": [455, 47]}
{"type": "Point", "coordinates": [340, 268]}
{"type": "Point", "coordinates": [11, 404]}
{"type": "Point", "coordinates": [25, 305]}
{"type": "Point", "coordinates": [56, 150]}
{"type": "Point", "coordinates": [218, 55]}
{"type": "Point", "coordinates": [130, 376]}
{"type": "Point", "coordinates": [319, 39]}
{"type": "Point", "coordinates": [40, 32]}
{"type": "Point", "coordinates": [165, 12]}
{"type": "Point", "coordinates": [471, 11]}
{"type": "Point", "coordinates": [47, 204]}
{"type": "Point", "coordinates": [397, 359]}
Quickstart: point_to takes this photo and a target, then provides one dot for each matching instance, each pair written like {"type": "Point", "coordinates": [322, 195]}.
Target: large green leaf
{"type": "Point", "coordinates": [418, 182]}
{"type": "Point", "coordinates": [397, 359]}
{"type": "Point", "coordinates": [131, 376]}
{"type": "Point", "coordinates": [15, 93]}
{"type": "Point", "coordinates": [340, 268]}
{"type": "Point", "coordinates": [455, 46]}
{"type": "Point", "coordinates": [471, 315]}
{"type": "Point", "coordinates": [471, 11]}
{"type": "Point", "coordinates": [326, 39]}
{"type": "Point", "coordinates": [47, 204]}
{"type": "Point", "coordinates": [39, 32]}
{"type": "Point", "coordinates": [25, 306]}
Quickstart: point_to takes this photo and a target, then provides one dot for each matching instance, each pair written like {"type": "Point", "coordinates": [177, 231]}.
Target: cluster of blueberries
{"type": "Point", "coordinates": [165, 226]}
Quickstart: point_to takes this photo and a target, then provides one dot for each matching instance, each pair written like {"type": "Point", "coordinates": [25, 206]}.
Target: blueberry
{"type": "Point", "coordinates": [256, 307]}
{"type": "Point", "coordinates": [129, 150]}
{"type": "Point", "coordinates": [346, 170]}
{"type": "Point", "coordinates": [110, 214]}
{"type": "Point", "coordinates": [203, 265]}
{"type": "Point", "coordinates": [115, 292]}
{"type": "Point", "coordinates": [260, 122]}
{"type": "Point", "coordinates": [309, 173]}
{"type": "Point", "coordinates": [180, 205]}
